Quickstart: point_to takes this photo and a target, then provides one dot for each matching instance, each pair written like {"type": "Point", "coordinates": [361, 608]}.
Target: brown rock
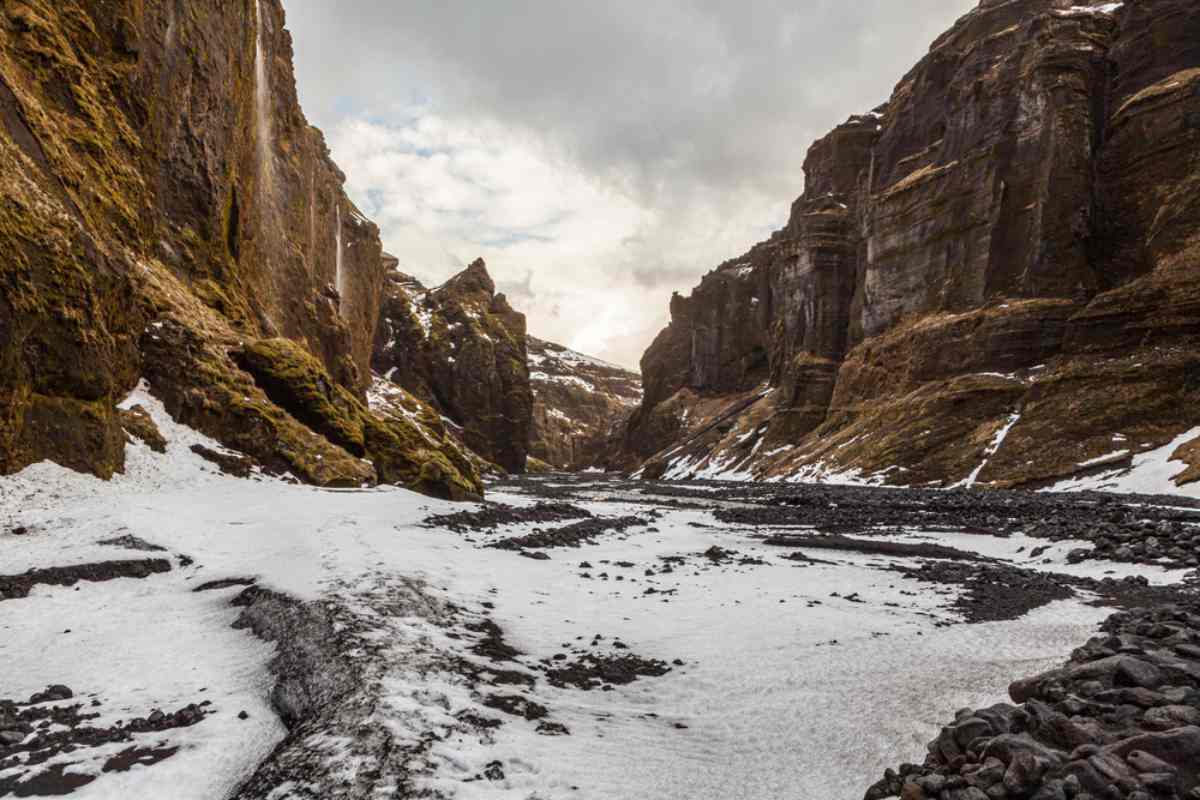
{"type": "Point", "coordinates": [139, 425]}
{"type": "Point", "coordinates": [580, 406]}
{"type": "Point", "coordinates": [987, 278]}
{"type": "Point", "coordinates": [462, 349]}
{"type": "Point", "coordinates": [155, 216]}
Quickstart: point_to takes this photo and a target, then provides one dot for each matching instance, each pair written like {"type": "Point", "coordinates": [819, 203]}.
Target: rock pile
{"type": "Point", "coordinates": [1119, 721]}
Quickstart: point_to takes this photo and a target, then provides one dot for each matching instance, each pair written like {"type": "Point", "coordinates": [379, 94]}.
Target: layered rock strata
{"type": "Point", "coordinates": [993, 278]}
{"type": "Point", "coordinates": [579, 403]}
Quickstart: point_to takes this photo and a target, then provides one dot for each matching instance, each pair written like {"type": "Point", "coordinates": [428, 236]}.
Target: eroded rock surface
{"type": "Point", "coordinates": [462, 349]}
{"type": "Point", "coordinates": [990, 278]}
{"type": "Point", "coordinates": [156, 216]}
{"type": "Point", "coordinates": [580, 406]}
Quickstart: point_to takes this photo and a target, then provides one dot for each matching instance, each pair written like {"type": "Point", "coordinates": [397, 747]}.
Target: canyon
{"type": "Point", "coordinates": [281, 521]}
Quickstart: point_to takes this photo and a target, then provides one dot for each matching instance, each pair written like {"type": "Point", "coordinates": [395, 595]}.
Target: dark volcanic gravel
{"type": "Point", "coordinates": [492, 516]}
{"type": "Point", "coordinates": [573, 535]}
{"type": "Point", "coordinates": [872, 547]}
{"type": "Point", "coordinates": [1136, 529]}
{"type": "Point", "coordinates": [1132, 529]}
{"type": "Point", "coordinates": [591, 671]}
{"type": "Point", "coordinates": [994, 592]}
{"type": "Point", "coordinates": [15, 586]}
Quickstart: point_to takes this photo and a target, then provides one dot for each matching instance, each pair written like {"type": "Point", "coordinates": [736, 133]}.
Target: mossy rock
{"type": "Point", "coordinates": [403, 453]}
{"type": "Point", "coordinates": [535, 466]}
{"type": "Point", "coordinates": [138, 424]}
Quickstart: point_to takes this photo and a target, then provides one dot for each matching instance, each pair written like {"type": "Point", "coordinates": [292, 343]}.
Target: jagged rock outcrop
{"type": "Point", "coordinates": [462, 349]}
{"type": "Point", "coordinates": [992, 278]}
{"type": "Point", "coordinates": [580, 406]}
{"type": "Point", "coordinates": [164, 202]}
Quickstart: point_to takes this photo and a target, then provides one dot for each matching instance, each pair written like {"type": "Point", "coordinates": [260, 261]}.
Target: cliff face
{"type": "Point", "coordinates": [462, 349]}
{"type": "Point", "coordinates": [166, 211]}
{"type": "Point", "coordinates": [994, 277]}
{"type": "Point", "coordinates": [578, 404]}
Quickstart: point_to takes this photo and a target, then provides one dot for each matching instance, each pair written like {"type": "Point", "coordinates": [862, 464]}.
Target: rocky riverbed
{"type": "Point", "coordinates": [586, 637]}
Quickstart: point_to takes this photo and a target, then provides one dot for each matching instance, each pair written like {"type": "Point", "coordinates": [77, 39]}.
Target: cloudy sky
{"type": "Point", "coordinates": [598, 155]}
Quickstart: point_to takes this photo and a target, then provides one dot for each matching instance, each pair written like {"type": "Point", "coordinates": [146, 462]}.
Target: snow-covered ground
{"type": "Point", "coordinates": [788, 688]}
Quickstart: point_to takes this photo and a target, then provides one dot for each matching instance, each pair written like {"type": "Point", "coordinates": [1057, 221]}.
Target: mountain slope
{"type": "Point", "coordinates": [993, 278]}
{"type": "Point", "coordinates": [462, 349]}
{"type": "Point", "coordinates": [578, 404]}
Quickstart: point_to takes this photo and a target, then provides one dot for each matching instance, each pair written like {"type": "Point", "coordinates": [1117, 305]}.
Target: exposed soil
{"type": "Point", "coordinates": [128, 542]}
{"type": "Point", "coordinates": [225, 583]}
{"type": "Point", "coordinates": [595, 671]}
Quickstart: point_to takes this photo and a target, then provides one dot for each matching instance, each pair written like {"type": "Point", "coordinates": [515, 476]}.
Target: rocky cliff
{"type": "Point", "coordinates": [579, 403]}
{"type": "Point", "coordinates": [167, 213]}
{"type": "Point", "coordinates": [992, 278]}
{"type": "Point", "coordinates": [462, 349]}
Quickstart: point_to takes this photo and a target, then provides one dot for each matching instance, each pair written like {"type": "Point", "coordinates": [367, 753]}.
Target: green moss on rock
{"type": "Point", "coordinates": [403, 453]}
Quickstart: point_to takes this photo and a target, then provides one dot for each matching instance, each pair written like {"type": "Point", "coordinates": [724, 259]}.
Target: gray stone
{"type": "Point", "coordinates": [11, 737]}
{"type": "Point", "coordinates": [1135, 672]}
{"type": "Point", "coordinates": [1024, 772]}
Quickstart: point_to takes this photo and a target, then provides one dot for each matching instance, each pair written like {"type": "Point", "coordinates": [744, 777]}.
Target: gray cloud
{"type": "Point", "coordinates": [696, 114]}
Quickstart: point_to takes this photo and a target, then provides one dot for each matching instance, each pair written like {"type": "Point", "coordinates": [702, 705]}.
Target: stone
{"type": "Point", "coordinates": [580, 407]}
{"type": "Point", "coordinates": [138, 423]}
{"type": "Point", "coordinates": [1025, 770]}
{"type": "Point", "coordinates": [11, 738]}
{"type": "Point", "coordinates": [154, 259]}
{"type": "Point", "coordinates": [1135, 672]}
{"type": "Point", "coordinates": [462, 349]}
{"type": "Point", "coordinates": [933, 288]}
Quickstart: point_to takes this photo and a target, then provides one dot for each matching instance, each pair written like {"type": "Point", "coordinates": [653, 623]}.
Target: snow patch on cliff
{"type": "Point", "coordinates": [1152, 472]}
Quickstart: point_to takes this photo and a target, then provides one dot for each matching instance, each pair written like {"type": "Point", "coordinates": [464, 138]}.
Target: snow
{"type": "Point", "coordinates": [772, 707]}
{"type": "Point", "coordinates": [424, 316]}
{"type": "Point", "coordinates": [571, 358]}
{"type": "Point", "coordinates": [1106, 8]}
{"type": "Point", "coordinates": [173, 644]}
{"type": "Point", "coordinates": [1152, 472]}
{"type": "Point", "coordinates": [992, 448]}
{"type": "Point", "coordinates": [569, 380]}
{"type": "Point", "coordinates": [1106, 459]}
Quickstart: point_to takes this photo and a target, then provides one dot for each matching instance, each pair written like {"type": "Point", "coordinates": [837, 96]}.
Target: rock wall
{"type": "Point", "coordinates": [163, 202]}
{"type": "Point", "coordinates": [462, 349]}
{"type": "Point", "coordinates": [1007, 252]}
{"type": "Point", "coordinates": [578, 404]}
